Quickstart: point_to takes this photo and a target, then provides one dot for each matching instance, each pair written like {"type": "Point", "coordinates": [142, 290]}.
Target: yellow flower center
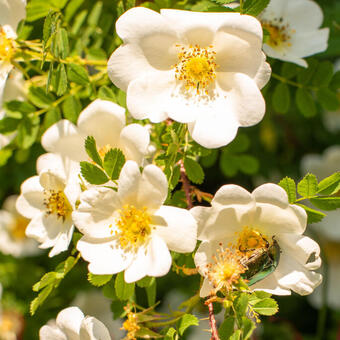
{"type": "Point", "coordinates": [196, 67]}
{"type": "Point", "coordinates": [134, 226]}
{"type": "Point", "coordinates": [279, 35]}
{"type": "Point", "coordinates": [250, 239]}
{"type": "Point", "coordinates": [225, 269]}
{"type": "Point", "coordinates": [131, 326]}
{"type": "Point", "coordinates": [19, 228]}
{"type": "Point", "coordinates": [103, 150]}
{"type": "Point", "coordinates": [6, 46]}
{"type": "Point", "coordinates": [57, 203]}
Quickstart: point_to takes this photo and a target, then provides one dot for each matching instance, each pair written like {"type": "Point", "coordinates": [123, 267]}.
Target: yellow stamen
{"type": "Point", "coordinates": [103, 150]}
{"type": "Point", "coordinates": [279, 33]}
{"type": "Point", "coordinates": [131, 326]}
{"type": "Point", "coordinates": [196, 68]}
{"type": "Point", "coordinates": [134, 226]}
{"type": "Point", "coordinates": [7, 46]}
{"type": "Point", "coordinates": [250, 239]}
{"type": "Point", "coordinates": [57, 203]}
{"type": "Point", "coordinates": [19, 227]}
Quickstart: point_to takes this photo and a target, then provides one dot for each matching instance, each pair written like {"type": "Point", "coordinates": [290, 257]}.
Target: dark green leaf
{"type": "Point", "coordinates": [147, 281]}
{"type": "Point", "coordinates": [114, 160]}
{"type": "Point", "coordinates": [59, 80]}
{"type": "Point", "coordinates": [16, 106]}
{"type": "Point", "coordinates": [72, 8]}
{"type": "Point", "coordinates": [305, 102]}
{"type": "Point", "coordinates": [289, 185]}
{"type": "Point", "coordinates": [77, 74]}
{"type": "Point", "coordinates": [281, 98]}
{"type": "Point", "coordinates": [91, 150]}
{"type": "Point", "coordinates": [60, 44]}
{"type": "Point", "coordinates": [289, 70]}
{"type": "Point", "coordinates": [328, 99]}
{"type": "Point", "coordinates": [305, 74]}
{"type": "Point", "coordinates": [248, 164]}
{"type": "Point", "coordinates": [323, 74]}
{"type": "Point", "coordinates": [151, 292]}
{"type": "Point", "coordinates": [241, 304]}
{"type": "Point", "coordinates": [227, 328]}
{"type": "Point", "coordinates": [40, 98]}
{"type": "Point", "coordinates": [335, 83]}
{"type": "Point", "coordinates": [105, 93]}
{"type": "Point", "coordinates": [308, 186]}
{"type": "Point", "coordinates": [8, 124]}
{"type": "Point", "coordinates": [52, 116]}
{"type": "Point", "coordinates": [27, 132]}
{"type": "Point", "coordinates": [254, 8]}
{"type": "Point", "coordinates": [92, 173]}
{"type": "Point", "coordinates": [193, 170]}
{"type": "Point", "coordinates": [71, 108]}
{"type": "Point", "coordinates": [124, 291]}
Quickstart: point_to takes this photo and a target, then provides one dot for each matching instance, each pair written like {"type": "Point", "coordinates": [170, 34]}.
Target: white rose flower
{"type": "Point", "coordinates": [14, 90]}
{"type": "Point", "coordinates": [13, 240]}
{"type": "Point", "coordinates": [294, 30]}
{"type": "Point", "coordinates": [11, 13]}
{"type": "Point", "coordinates": [71, 324]}
{"type": "Point", "coordinates": [105, 121]}
{"type": "Point", "coordinates": [204, 69]}
{"type": "Point", "coordinates": [130, 229]}
{"type": "Point", "coordinates": [248, 224]}
{"type": "Point", "coordinates": [323, 166]}
{"type": "Point", "coordinates": [48, 200]}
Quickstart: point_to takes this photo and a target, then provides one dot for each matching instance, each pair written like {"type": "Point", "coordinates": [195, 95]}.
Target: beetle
{"type": "Point", "coordinates": [261, 262]}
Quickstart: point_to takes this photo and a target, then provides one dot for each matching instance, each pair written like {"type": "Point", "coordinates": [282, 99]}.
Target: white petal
{"type": "Point", "coordinates": [50, 161]}
{"type": "Point", "coordinates": [51, 333]}
{"type": "Point", "coordinates": [271, 285]}
{"type": "Point", "coordinates": [95, 213]}
{"type": "Point", "coordinates": [201, 215]}
{"type": "Point", "coordinates": [104, 120]}
{"type": "Point", "coordinates": [263, 73]}
{"type": "Point", "coordinates": [93, 329]}
{"type": "Point", "coordinates": [12, 12]}
{"type": "Point", "coordinates": [138, 267]}
{"type": "Point", "coordinates": [159, 258]}
{"type": "Point", "coordinates": [31, 201]}
{"type": "Point", "coordinates": [206, 289]}
{"type": "Point", "coordinates": [134, 141]}
{"type": "Point", "coordinates": [63, 239]}
{"type": "Point", "coordinates": [105, 256]}
{"type": "Point", "coordinates": [69, 321]}
{"type": "Point", "coordinates": [180, 229]}
{"type": "Point", "coordinates": [64, 138]}
{"type": "Point", "coordinates": [203, 255]}
{"type": "Point", "coordinates": [52, 181]}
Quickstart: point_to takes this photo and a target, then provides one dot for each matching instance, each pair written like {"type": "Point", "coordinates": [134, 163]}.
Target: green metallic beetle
{"type": "Point", "coordinates": [261, 263]}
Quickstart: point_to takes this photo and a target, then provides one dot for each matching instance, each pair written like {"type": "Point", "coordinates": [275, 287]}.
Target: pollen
{"type": "Point", "coordinates": [131, 326]}
{"type": "Point", "coordinates": [225, 269]}
{"type": "Point", "coordinates": [18, 228]}
{"type": "Point", "coordinates": [279, 33]}
{"type": "Point", "coordinates": [7, 46]}
{"type": "Point", "coordinates": [134, 227]}
{"type": "Point", "coordinates": [196, 67]}
{"type": "Point", "coordinates": [56, 203]}
{"type": "Point", "coordinates": [251, 239]}
{"type": "Point", "coordinates": [103, 150]}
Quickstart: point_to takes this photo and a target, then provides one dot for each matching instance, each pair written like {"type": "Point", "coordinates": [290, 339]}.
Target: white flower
{"type": "Point", "coordinates": [48, 200]}
{"type": "Point", "coordinates": [204, 69]}
{"type": "Point", "coordinates": [14, 90]}
{"type": "Point", "coordinates": [105, 121]}
{"type": "Point", "coordinates": [71, 324]}
{"type": "Point", "coordinates": [13, 240]}
{"type": "Point", "coordinates": [130, 229]}
{"type": "Point", "coordinates": [331, 120]}
{"type": "Point", "coordinates": [250, 223]}
{"type": "Point", "coordinates": [323, 166]}
{"type": "Point", "coordinates": [11, 13]}
{"type": "Point", "coordinates": [294, 30]}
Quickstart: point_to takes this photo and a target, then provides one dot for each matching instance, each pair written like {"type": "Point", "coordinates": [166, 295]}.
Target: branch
{"type": "Point", "coordinates": [214, 332]}
{"type": "Point", "coordinates": [186, 186]}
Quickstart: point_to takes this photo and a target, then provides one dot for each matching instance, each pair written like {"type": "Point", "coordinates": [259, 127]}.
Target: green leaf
{"type": "Point", "coordinates": [60, 45]}
{"type": "Point", "coordinates": [114, 160]}
{"type": "Point", "coordinates": [335, 83]}
{"type": "Point", "coordinates": [308, 186]}
{"type": "Point", "coordinates": [8, 124]}
{"type": "Point", "coordinates": [170, 334]}
{"type": "Point", "coordinates": [5, 154]}
{"type": "Point", "coordinates": [71, 108]}
{"type": "Point", "coordinates": [40, 98]}
{"type": "Point", "coordinates": [98, 280]}
{"type": "Point", "coordinates": [266, 307]}
{"type": "Point", "coordinates": [15, 106]}
{"type": "Point", "coordinates": [248, 328]}
{"type": "Point", "coordinates": [106, 93]}
{"type": "Point", "coordinates": [124, 291]}
{"type": "Point", "coordinates": [95, 13]}
{"type": "Point", "coordinates": [227, 328]}
{"type": "Point", "coordinates": [38, 9]}
{"type": "Point", "coordinates": [254, 8]}
{"type": "Point", "coordinates": [236, 335]}
{"type": "Point", "coordinates": [210, 160]}
{"type": "Point", "coordinates": [174, 177]}
{"type": "Point", "coordinates": [39, 300]}
{"type": "Point", "coordinates": [52, 116]}
{"type": "Point", "coordinates": [289, 185]}
{"type": "Point", "coordinates": [289, 70]}
{"type": "Point", "coordinates": [146, 281]}
{"type": "Point", "coordinates": [118, 310]}
{"type": "Point", "coordinates": [326, 203]}
{"type": "Point", "coordinates": [77, 74]}
{"type": "Point", "coordinates": [27, 131]}
{"type": "Point", "coordinates": [241, 304]}
{"type": "Point", "coordinates": [323, 74]}
{"type": "Point", "coordinates": [305, 74]}
{"type": "Point", "coordinates": [59, 80]}
{"type": "Point", "coordinates": [248, 164]}
{"type": "Point", "coordinates": [72, 8]}
{"type": "Point", "coordinates": [223, 2]}
{"type": "Point", "coordinates": [330, 185]}
{"type": "Point", "coordinates": [151, 292]}
{"type": "Point", "coordinates": [305, 102]}
{"type": "Point", "coordinates": [91, 150]}
{"type": "Point", "coordinates": [314, 216]}
{"type": "Point", "coordinates": [229, 163]}
{"type": "Point", "coordinates": [92, 173]}
{"type": "Point", "coordinates": [193, 170]}
{"type": "Point", "coordinates": [328, 99]}
{"type": "Point", "coordinates": [281, 98]}
{"type": "Point", "coordinates": [79, 21]}
{"type": "Point", "coordinates": [186, 321]}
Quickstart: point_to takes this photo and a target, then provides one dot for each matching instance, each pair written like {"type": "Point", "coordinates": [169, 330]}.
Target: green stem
{"type": "Point", "coordinates": [291, 82]}
{"type": "Point", "coordinates": [241, 6]}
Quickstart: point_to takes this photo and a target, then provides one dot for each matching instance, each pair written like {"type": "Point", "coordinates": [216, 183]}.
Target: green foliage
{"type": "Point", "coordinates": [255, 7]}
{"type": "Point", "coordinates": [98, 280]}
{"type": "Point", "coordinates": [93, 174]}
{"type": "Point", "coordinates": [124, 291]}
{"type": "Point", "coordinates": [330, 185]}
{"type": "Point", "coordinates": [308, 187]}
{"type": "Point", "coordinates": [281, 98]}
{"type": "Point", "coordinates": [91, 150]}
{"type": "Point", "coordinates": [114, 160]}
{"type": "Point", "coordinates": [186, 321]}
{"type": "Point", "coordinates": [193, 170]}
{"type": "Point", "coordinates": [289, 185]}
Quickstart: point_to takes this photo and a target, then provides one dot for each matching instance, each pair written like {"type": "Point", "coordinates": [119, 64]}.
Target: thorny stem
{"type": "Point", "coordinates": [214, 332]}
{"type": "Point", "coordinates": [186, 186]}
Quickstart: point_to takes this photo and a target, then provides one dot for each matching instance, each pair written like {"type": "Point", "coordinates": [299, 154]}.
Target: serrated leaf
{"type": "Point", "coordinates": [91, 150]}
{"type": "Point", "coordinates": [77, 74]}
{"type": "Point", "coordinates": [330, 185]}
{"type": "Point", "coordinates": [114, 160]}
{"type": "Point", "coordinates": [241, 304]}
{"type": "Point", "coordinates": [289, 185]}
{"type": "Point", "coordinates": [266, 307]}
{"type": "Point", "coordinates": [281, 98]}
{"type": "Point", "coordinates": [170, 334]}
{"type": "Point", "coordinates": [146, 333]}
{"type": "Point", "coordinates": [124, 291]}
{"type": "Point", "coordinates": [59, 80]}
{"type": "Point", "coordinates": [314, 216]}
{"type": "Point", "coordinates": [254, 8]}
{"type": "Point", "coordinates": [40, 98]}
{"type": "Point", "coordinates": [227, 328]}
{"type": "Point", "coordinates": [105, 93]}
{"type": "Point", "coordinates": [98, 280]}
{"type": "Point", "coordinates": [60, 45]}
{"type": "Point", "coordinates": [326, 203]}
{"type": "Point", "coordinates": [186, 321]}
{"type": "Point", "coordinates": [92, 173]}
{"type": "Point", "coordinates": [308, 186]}
{"type": "Point", "coordinates": [193, 170]}
{"type": "Point", "coordinates": [71, 108]}
{"type": "Point", "coordinates": [39, 300]}
{"type": "Point", "coordinates": [27, 132]}
{"type": "Point", "coordinates": [305, 102]}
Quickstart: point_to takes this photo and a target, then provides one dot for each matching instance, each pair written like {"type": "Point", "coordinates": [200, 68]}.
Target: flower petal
{"type": "Point", "coordinates": [52, 181]}
{"type": "Point", "coordinates": [206, 289]}
{"type": "Point", "coordinates": [138, 267]}
{"type": "Point", "coordinates": [180, 230]}
{"type": "Point", "coordinates": [263, 73]}
{"type": "Point", "coordinates": [134, 142]}
{"type": "Point", "coordinates": [271, 285]}
{"type": "Point", "coordinates": [51, 333]}
{"type": "Point", "coordinates": [69, 321]}
{"type": "Point", "coordinates": [93, 329]}
{"type": "Point", "coordinates": [12, 12]}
